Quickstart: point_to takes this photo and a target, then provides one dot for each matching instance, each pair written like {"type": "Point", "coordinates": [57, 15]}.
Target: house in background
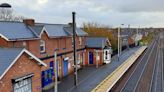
{"type": "Point", "coordinates": [98, 51]}
{"type": "Point", "coordinates": [137, 37]}
{"type": "Point", "coordinates": [20, 71]}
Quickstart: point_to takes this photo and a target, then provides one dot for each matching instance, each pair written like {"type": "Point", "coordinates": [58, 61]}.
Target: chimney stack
{"type": "Point", "coordinates": [29, 22]}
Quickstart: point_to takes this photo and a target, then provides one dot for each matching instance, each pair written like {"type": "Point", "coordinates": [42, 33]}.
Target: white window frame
{"type": "Point", "coordinates": [23, 85]}
{"type": "Point", "coordinates": [42, 44]}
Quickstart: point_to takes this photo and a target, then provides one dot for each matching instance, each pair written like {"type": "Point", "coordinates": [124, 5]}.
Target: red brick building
{"type": "Point", "coordinates": [43, 40]}
{"type": "Point", "coordinates": [19, 71]}
{"type": "Point", "coordinates": [98, 51]}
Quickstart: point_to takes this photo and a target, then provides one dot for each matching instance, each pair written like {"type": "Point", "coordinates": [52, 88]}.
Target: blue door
{"type": "Point", "coordinates": [52, 67]}
{"type": "Point", "coordinates": [65, 67]}
{"type": "Point", "coordinates": [43, 82]}
{"type": "Point", "coordinates": [90, 57]}
{"type": "Point", "coordinates": [46, 77]}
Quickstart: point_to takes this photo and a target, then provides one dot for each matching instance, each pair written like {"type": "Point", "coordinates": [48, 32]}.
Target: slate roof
{"type": "Point", "coordinates": [79, 31]}
{"type": "Point", "coordinates": [56, 30]}
{"type": "Point", "coordinates": [37, 29]}
{"type": "Point", "coordinates": [16, 30]}
{"type": "Point", "coordinates": [20, 31]}
{"type": "Point", "coordinates": [96, 42]}
{"type": "Point", "coordinates": [7, 56]}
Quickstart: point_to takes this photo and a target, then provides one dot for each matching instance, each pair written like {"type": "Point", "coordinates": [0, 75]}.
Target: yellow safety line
{"type": "Point", "coordinates": [109, 81]}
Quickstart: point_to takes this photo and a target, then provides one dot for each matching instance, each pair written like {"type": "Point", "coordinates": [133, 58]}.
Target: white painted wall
{"type": "Point", "coordinates": [107, 56]}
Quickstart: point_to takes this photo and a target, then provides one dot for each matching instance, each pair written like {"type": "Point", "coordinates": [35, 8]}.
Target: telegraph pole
{"type": "Point", "coordinates": [74, 47]}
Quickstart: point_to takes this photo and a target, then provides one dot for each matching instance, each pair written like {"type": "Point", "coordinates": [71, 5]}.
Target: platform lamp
{"type": "Point", "coordinates": [55, 70]}
{"type": "Point", "coordinates": [119, 44]}
{"type": "Point", "coordinates": [5, 5]}
{"type": "Point", "coordinates": [118, 34]}
{"type": "Point", "coordinates": [121, 29]}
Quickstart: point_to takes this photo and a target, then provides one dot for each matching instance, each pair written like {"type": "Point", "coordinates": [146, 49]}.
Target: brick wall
{"type": "Point", "coordinates": [94, 57]}
{"type": "Point", "coordinates": [63, 44]}
{"type": "Point", "coordinates": [3, 42]}
{"type": "Point", "coordinates": [23, 66]}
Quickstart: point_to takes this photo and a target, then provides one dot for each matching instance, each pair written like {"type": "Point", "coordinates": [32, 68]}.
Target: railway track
{"type": "Point", "coordinates": [121, 83]}
{"type": "Point", "coordinates": [135, 76]}
{"type": "Point", "coordinates": [145, 79]}
{"type": "Point", "coordinates": [157, 80]}
{"type": "Point", "coordinates": [141, 72]}
{"type": "Point", "coordinates": [146, 74]}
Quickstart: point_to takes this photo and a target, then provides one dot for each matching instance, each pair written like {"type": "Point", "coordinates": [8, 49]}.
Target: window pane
{"type": "Point", "coordinates": [42, 46]}
{"type": "Point", "coordinates": [23, 86]}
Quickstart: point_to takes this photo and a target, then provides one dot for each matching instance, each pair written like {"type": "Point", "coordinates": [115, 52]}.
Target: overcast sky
{"type": "Point", "coordinates": [144, 13]}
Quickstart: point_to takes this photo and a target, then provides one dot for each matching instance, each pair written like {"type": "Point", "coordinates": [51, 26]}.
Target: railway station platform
{"type": "Point", "coordinates": [90, 77]}
{"type": "Point", "coordinates": [110, 81]}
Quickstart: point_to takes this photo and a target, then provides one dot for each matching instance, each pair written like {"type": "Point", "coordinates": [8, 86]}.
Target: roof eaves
{"type": "Point", "coordinates": [93, 47]}
{"type": "Point", "coordinates": [83, 35]}
{"type": "Point", "coordinates": [42, 63]}
{"type": "Point", "coordinates": [58, 36]}
{"type": "Point", "coordinates": [23, 39]}
{"type": "Point", "coordinates": [4, 37]}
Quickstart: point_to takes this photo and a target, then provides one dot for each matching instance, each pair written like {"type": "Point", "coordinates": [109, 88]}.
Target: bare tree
{"type": "Point", "coordinates": [7, 14]}
{"type": "Point", "coordinates": [100, 30]}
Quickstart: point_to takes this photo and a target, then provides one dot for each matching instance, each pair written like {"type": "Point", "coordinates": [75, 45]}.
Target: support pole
{"type": "Point", "coordinates": [56, 77]}
{"type": "Point", "coordinates": [97, 63]}
{"type": "Point", "coordinates": [118, 43]}
{"type": "Point", "coordinates": [74, 48]}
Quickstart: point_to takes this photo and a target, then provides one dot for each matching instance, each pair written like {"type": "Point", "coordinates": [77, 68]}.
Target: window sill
{"type": "Point", "coordinates": [42, 52]}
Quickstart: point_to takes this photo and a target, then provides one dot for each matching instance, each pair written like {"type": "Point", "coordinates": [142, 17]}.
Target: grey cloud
{"type": "Point", "coordinates": [139, 6]}
{"type": "Point", "coordinates": [108, 12]}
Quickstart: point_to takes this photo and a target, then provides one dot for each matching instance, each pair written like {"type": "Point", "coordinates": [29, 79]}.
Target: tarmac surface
{"type": "Point", "coordinates": [90, 77]}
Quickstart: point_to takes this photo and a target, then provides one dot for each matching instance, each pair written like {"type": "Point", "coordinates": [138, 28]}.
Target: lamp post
{"type": "Point", "coordinates": [5, 5]}
{"type": "Point", "coordinates": [74, 47]}
{"type": "Point", "coordinates": [55, 67]}
{"type": "Point", "coordinates": [121, 39]}
{"type": "Point", "coordinates": [119, 43]}
{"type": "Point", "coordinates": [5, 8]}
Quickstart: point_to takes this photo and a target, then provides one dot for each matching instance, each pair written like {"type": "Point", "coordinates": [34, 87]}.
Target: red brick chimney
{"type": "Point", "coordinates": [30, 22]}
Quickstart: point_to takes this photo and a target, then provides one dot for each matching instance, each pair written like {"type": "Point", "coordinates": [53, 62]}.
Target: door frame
{"type": "Point", "coordinates": [89, 58]}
